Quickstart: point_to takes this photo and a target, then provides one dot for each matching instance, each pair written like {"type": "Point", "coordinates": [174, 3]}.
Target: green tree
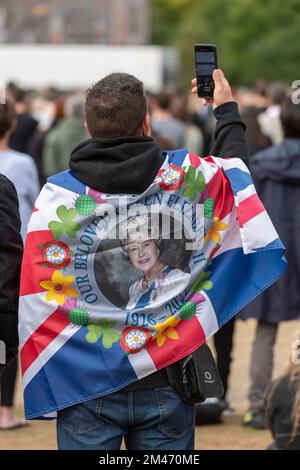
{"type": "Point", "coordinates": [167, 15]}
{"type": "Point", "coordinates": [255, 39]}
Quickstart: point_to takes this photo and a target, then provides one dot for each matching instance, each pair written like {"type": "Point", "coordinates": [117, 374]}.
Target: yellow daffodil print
{"type": "Point", "coordinates": [166, 330]}
{"type": "Point", "coordinates": [213, 232]}
{"type": "Point", "coordinates": [58, 288]}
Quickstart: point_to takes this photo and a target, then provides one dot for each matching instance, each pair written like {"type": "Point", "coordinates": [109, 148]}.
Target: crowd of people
{"type": "Point", "coordinates": [38, 131]}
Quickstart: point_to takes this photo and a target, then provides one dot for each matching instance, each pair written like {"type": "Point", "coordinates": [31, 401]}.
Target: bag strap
{"type": "Point", "coordinates": [196, 377]}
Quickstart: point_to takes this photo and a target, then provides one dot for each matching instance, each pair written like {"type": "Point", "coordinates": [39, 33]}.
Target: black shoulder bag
{"type": "Point", "coordinates": [196, 377]}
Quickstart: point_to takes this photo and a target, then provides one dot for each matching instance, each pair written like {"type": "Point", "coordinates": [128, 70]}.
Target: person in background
{"type": "Point", "coordinates": [164, 123]}
{"type": "Point", "coordinates": [11, 249]}
{"type": "Point", "coordinates": [276, 175]}
{"type": "Point", "coordinates": [18, 167]}
{"type": "Point", "coordinates": [269, 120]}
{"type": "Point", "coordinates": [283, 406]}
{"type": "Point", "coordinates": [164, 143]}
{"type": "Point", "coordinates": [21, 170]}
{"type": "Point", "coordinates": [256, 140]}
{"type": "Point", "coordinates": [54, 114]}
{"type": "Point", "coordinates": [193, 135]}
{"type": "Point", "coordinates": [223, 341]}
{"type": "Point", "coordinates": [61, 140]}
{"type": "Point", "coordinates": [203, 118]}
{"type": "Point", "coordinates": [25, 126]}
{"type": "Point", "coordinates": [259, 96]}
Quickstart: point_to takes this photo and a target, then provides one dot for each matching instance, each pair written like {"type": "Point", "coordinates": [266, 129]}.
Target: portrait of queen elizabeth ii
{"type": "Point", "coordinates": [142, 247]}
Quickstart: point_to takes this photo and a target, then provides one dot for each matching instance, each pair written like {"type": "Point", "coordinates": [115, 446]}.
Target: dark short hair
{"type": "Point", "coordinates": [17, 93]}
{"type": "Point", "coordinates": [290, 118]}
{"type": "Point", "coordinates": [277, 92]}
{"type": "Point", "coordinates": [116, 106]}
{"type": "Point", "coordinates": [7, 116]}
{"type": "Point", "coordinates": [163, 99]}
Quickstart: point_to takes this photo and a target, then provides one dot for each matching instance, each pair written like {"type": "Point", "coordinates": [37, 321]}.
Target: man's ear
{"type": "Point", "coordinates": [146, 126]}
{"type": "Point", "coordinates": [86, 127]}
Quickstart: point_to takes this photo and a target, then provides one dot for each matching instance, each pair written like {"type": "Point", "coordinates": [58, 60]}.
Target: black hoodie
{"type": "Point", "coordinates": [128, 165]}
{"type": "Point", "coordinates": [11, 249]}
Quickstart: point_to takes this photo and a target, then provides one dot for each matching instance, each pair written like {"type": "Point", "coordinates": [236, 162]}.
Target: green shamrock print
{"type": "Point", "coordinates": [202, 282]}
{"type": "Point", "coordinates": [103, 328]}
{"type": "Point", "coordinates": [67, 223]}
{"type": "Point", "coordinates": [194, 184]}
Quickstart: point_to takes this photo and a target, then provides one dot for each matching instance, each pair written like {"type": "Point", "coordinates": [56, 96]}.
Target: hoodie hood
{"type": "Point", "coordinates": [122, 165]}
{"type": "Point", "coordinates": [280, 163]}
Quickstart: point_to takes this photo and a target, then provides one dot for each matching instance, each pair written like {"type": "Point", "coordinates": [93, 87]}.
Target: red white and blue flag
{"type": "Point", "coordinates": [93, 320]}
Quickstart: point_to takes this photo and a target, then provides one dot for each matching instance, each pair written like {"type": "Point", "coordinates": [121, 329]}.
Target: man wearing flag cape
{"type": "Point", "coordinates": [134, 258]}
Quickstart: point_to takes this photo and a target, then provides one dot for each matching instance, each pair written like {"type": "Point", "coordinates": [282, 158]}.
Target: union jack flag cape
{"type": "Point", "coordinates": [92, 322]}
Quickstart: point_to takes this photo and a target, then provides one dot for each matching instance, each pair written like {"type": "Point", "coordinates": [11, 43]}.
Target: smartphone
{"type": "Point", "coordinates": [206, 63]}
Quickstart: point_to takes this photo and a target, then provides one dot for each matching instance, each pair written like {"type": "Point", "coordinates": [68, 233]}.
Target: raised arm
{"type": "Point", "coordinates": [230, 138]}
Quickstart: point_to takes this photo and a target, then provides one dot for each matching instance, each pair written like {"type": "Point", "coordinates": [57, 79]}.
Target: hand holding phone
{"type": "Point", "coordinates": [222, 91]}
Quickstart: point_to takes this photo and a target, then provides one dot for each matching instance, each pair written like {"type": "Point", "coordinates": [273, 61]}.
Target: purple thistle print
{"type": "Point", "coordinates": [197, 298]}
{"type": "Point", "coordinates": [77, 313]}
{"type": "Point", "coordinates": [203, 196]}
{"type": "Point", "coordinates": [98, 197]}
{"type": "Point", "coordinates": [70, 304]}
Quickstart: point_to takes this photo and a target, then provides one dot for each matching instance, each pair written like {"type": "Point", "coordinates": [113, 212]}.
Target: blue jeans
{"type": "Point", "coordinates": [152, 419]}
